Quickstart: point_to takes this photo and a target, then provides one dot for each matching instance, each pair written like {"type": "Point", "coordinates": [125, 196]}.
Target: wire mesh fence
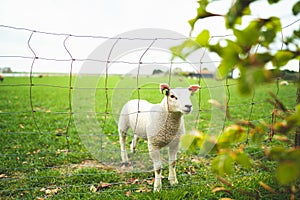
{"type": "Point", "coordinates": [46, 152]}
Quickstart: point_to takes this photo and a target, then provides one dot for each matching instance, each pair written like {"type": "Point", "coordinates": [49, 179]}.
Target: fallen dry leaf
{"type": "Point", "coordinates": [149, 181]}
{"type": "Point", "coordinates": [101, 185]}
{"type": "Point", "coordinates": [132, 181]}
{"type": "Point", "coordinates": [190, 170]}
{"type": "Point", "coordinates": [221, 189]}
{"type": "Point", "coordinates": [282, 138]}
{"type": "Point", "coordinates": [224, 181]}
{"type": "Point", "coordinates": [143, 189]}
{"type": "Point", "coordinates": [93, 188]}
{"type": "Point", "coordinates": [50, 192]}
{"type": "Point", "coordinates": [37, 151]}
{"type": "Point", "coordinates": [267, 187]}
{"type": "Point", "coordinates": [2, 175]}
{"type": "Point", "coordinates": [128, 193]}
{"type": "Point", "coordinates": [104, 185]}
{"type": "Point", "coordinates": [59, 151]}
{"type": "Point", "coordinates": [195, 160]}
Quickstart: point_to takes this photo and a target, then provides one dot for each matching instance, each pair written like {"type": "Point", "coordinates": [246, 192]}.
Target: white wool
{"type": "Point", "coordinates": [161, 124]}
{"type": "Point", "coordinates": [284, 83]}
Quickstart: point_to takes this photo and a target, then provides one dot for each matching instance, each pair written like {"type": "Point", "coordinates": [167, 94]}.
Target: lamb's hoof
{"type": "Point", "coordinates": [157, 185]}
{"type": "Point", "coordinates": [173, 181]}
{"type": "Point", "coordinates": [125, 164]}
{"type": "Point", "coordinates": [126, 167]}
{"type": "Point", "coordinates": [133, 150]}
{"type": "Point", "coordinates": [157, 189]}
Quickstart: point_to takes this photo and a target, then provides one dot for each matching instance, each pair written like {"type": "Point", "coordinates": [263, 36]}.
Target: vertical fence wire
{"type": "Point", "coordinates": [274, 113]}
{"type": "Point", "coordinates": [137, 83]}
{"type": "Point", "coordinates": [106, 88]}
{"type": "Point", "coordinates": [31, 82]}
{"type": "Point", "coordinates": [227, 101]}
{"type": "Point", "coordinates": [297, 131]}
{"type": "Point", "coordinates": [252, 103]}
{"type": "Point", "coordinates": [70, 108]}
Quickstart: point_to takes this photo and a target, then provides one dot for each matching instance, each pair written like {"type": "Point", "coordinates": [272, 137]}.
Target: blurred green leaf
{"type": "Point", "coordinates": [288, 163]}
{"type": "Point", "coordinates": [273, 23]}
{"type": "Point", "coordinates": [297, 33]}
{"type": "Point", "coordinates": [293, 121]}
{"type": "Point", "coordinates": [185, 49]}
{"type": "Point", "coordinates": [277, 152]}
{"type": "Point", "coordinates": [269, 31]}
{"type": "Point", "coordinates": [294, 154]}
{"type": "Point", "coordinates": [187, 140]}
{"type": "Point", "coordinates": [258, 135]}
{"type": "Point", "coordinates": [232, 135]}
{"type": "Point", "coordinates": [296, 8]}
{"type": "Point", "coordinates": [203, 38]}
{"type": "Point", "coordinates": [240, 8]}
{"type": "Point", "coordinates": [263, 57]}
{"type": "Point", "coordinates": [273, 1]}
{"type": "Point", "coordinates": [230, 54]}
{"type": "Point", "coordinates": [252, 76]}
{"type": "Point", "coordinates": [223, 164]}
{"type": "Point", "coordinates": [216, 48]}
{"type": "Point", "coordinates": [228, 165]}
{"type": "Point", "coordinates": [201, 13]}
{"type": "Point", "coordinates": [248, 36]}
{"type": "Point", "coordinates": [243, 86]}
{"type": "Point", "coordinates": [192, 141]}
{"type": "Point", "coordinates": [282, 57]}
{"type": "Point", "coordinates": [223, 69]}
{"type": "Point", "coordinates": [287, 172]}
{"type": "Point", "coordinates": [243, 159]}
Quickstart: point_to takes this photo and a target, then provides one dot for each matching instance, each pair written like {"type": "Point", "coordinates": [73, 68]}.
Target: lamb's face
{"type": "Point", "coordinates": [178, 99]}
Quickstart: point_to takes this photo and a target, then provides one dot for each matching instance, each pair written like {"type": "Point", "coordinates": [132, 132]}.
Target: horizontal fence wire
{"type": "Point", "coordinates": [70, 161]}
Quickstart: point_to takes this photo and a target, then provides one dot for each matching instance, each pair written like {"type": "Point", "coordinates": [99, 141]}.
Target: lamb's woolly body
{"type": "Point", "coordinates": [161, 124]}
{"type": "Point", "coordinates": [152, 121]}
{"type": "Point", "coordinates": [170, 127]}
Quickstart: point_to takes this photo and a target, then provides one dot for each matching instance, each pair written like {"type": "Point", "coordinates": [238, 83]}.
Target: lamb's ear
{"type": "Point", "coordinates": [194, 88]}
{"type": "Point", "coordinates": [164, 87]}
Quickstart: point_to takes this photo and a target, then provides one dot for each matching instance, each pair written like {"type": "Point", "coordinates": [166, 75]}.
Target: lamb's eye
{"type": "Point", "coordinates": [173, 96]}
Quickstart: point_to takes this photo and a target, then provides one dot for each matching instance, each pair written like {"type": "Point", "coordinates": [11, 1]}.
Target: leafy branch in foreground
{"type": "Point", "coordinates": [250, 49]}
{"type": "Point", "coordinates": [241, 51]}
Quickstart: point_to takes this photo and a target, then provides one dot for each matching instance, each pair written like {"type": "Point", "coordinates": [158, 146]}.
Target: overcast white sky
{"type": "Point", "coordinates": [103, 18]}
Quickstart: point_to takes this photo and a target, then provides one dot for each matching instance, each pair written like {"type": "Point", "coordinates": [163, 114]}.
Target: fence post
{"type": "Point", "coordinates": [297, 132]}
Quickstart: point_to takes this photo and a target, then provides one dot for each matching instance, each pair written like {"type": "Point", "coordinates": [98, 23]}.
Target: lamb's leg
{"type": "Point", "coordinates": [173, 149]}
{"type": "Point", "coordinates": [155, 156]}
{"type": "Point", "coordinates": [122, 135]}
{"type": "Point", "coordinates": [134, 143]}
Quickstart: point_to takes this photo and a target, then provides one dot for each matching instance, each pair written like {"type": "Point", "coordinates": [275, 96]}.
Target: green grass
{"type": "Point", "coordinates": [44, 151]}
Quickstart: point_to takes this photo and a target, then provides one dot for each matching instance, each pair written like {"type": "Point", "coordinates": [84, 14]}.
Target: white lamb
{"type": "Point", "coordinates": [161, 124]}
{"type": "Point", "coordinates": [284, 83]}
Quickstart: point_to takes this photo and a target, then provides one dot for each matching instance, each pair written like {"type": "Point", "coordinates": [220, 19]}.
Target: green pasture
{"type": "Point", "coordinates": [43, 153]}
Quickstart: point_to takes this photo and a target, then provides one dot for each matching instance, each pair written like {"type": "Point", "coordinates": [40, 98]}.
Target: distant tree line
{"type": "Point", "coordinates": [5, 70]}
{"type": "Point", "coordinates": [288, 75]}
